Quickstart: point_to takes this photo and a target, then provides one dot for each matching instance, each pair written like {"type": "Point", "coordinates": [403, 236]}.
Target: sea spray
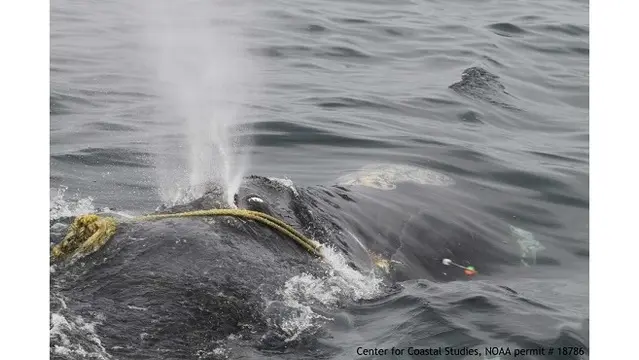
{"type": "Point", "coordinates": [60, 206]}
{"type": "Point", "coordinates": [203, 76]}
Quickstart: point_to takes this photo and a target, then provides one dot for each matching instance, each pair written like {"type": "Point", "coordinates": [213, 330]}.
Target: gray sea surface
{"type": "Point", "coordinates": [149, 98]}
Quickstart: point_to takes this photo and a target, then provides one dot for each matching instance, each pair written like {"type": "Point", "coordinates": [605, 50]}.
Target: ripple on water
{"type": "Point", "coordinates": [107, 156]}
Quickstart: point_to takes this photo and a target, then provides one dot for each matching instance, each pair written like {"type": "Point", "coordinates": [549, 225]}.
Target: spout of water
{"type": "Point", "coordinates": [198, 56]}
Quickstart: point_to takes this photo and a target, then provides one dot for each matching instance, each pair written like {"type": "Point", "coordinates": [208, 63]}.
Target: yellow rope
{"type": "Point", "coordinates": [89, 232]}
{"type": "Point", "coordinates": [268, 220]}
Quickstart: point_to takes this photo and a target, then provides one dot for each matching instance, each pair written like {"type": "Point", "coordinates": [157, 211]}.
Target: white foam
{"type": "Point", "coordinates": [301, 320]}
{"type": "Point", "coordinates": [338, 285]}
{"type": "Point", "coordinates": [219, 352]}
{"type": "Point", "coordinates": [75, 337]}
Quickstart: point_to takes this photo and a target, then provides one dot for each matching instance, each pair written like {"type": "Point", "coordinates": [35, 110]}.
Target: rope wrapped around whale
{"type": "Point", "coordinates": [90, 232]}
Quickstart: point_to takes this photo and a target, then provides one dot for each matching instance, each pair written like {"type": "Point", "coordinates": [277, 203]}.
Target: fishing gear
{"type": "Point", "coordinates": [468, 270]}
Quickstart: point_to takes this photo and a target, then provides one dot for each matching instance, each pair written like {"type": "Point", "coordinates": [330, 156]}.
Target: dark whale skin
{"type": "Point", "coordinates": [174, 288]}
{"type": "Point", "coordinates": [167, 288]}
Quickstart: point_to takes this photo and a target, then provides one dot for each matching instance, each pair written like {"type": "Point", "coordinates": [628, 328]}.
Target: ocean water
{"type": "Point", "coordinates": [151, 98]}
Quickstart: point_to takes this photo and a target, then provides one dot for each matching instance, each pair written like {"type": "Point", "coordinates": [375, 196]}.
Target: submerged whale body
{"type": "Point", "coordinates": [176, 288]}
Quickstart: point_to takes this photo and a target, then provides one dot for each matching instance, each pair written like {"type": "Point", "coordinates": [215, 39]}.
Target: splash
{"type": "Point", "coordinates": [339, 285]}
{"type": "Point", "coordinates": [73, 337]}
{"type": "Point", "coordinates": [61, 207]}
{"type": "Point", "coordinates": [203, 76]}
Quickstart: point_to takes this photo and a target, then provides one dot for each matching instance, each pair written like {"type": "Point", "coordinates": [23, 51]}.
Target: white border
{"type": "Point", "coordinates": [613, 184]}
{"type": "Point", "coordinates": [24, 181]}
{"type": "Point", "coordinates": [24, 86]}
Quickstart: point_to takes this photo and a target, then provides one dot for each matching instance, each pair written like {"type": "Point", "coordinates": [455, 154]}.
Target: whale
{"type": "Point", "coordinates": [175, 288]}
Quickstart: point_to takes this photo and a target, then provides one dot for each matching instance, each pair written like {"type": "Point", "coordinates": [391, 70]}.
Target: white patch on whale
{"type": "Point", "coordinates": [285, 182]}
{"type": "Point", "coordinates": [256, 199]}
{"type": "Point", "coordinates": [528, 244]}
{"type": "Point", "coordinates": [387, 176]}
